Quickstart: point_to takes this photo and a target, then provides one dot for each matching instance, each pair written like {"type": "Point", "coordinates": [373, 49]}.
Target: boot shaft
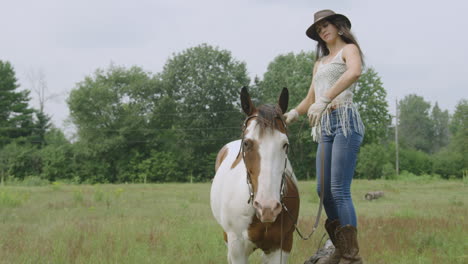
{"type": "Point", "coordinates": [332, 226]}
{"type": "Point", "coordinates": [347, 242]}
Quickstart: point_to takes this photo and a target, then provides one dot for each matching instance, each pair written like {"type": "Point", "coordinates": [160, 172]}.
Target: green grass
{"type": "Point", "coordinates": [415, 222]}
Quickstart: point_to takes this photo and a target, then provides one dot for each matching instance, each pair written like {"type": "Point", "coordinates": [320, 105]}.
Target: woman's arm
{"type": "Point", "coordinates": [310, 98]}
{"type": "Point", "coordinates": [352, 58]}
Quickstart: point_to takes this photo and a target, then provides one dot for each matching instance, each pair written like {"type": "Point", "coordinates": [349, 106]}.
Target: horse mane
{"type": "Point", "coordinates": [268, 116]}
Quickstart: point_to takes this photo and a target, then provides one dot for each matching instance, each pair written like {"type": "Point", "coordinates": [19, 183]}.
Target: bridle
{"type": "Point", "coordinates": [283, 185]}
{"type": "Point", "coordinates": [249, 177]}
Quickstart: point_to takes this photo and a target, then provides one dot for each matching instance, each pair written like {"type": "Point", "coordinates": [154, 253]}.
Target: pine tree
{"type": "Point", "coordinates": [15, 115]}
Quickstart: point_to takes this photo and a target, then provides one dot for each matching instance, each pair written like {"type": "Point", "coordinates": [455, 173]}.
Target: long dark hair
{"type": "Point", "coordinates": [347, 37]}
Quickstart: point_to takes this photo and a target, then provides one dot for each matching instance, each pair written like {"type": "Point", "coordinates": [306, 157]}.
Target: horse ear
{"type": "Point", "coordinates": [246, 103]}
{"type": "Point", "coordinates": [283, 100]}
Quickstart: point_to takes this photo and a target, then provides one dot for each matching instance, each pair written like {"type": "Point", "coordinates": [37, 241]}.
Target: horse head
{"type": "Point", "coordinates": [264, 149]}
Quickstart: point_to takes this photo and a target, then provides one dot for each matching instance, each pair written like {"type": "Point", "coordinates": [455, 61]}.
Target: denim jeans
{"type": "Point", "coordinates": [340, 156]}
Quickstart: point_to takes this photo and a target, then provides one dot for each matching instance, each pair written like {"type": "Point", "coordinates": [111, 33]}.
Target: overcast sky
{"type": "Point", "coordinates": [416, 46]}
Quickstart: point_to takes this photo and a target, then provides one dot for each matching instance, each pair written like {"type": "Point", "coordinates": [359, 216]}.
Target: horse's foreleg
{"type": "Point", "coordinates": [276, 257]}
{"type": "Point", "coordinates": [237, 253]}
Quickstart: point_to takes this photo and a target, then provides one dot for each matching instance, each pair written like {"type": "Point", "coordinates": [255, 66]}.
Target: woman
{"type": "Point", "coordinates": [337, 126]}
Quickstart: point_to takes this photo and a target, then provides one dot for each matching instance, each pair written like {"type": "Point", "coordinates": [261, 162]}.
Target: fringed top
{"type": "Point", "coordinates": [325, 77]}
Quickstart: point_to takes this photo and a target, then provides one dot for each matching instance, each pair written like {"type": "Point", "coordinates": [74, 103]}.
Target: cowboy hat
{"type": "Point", "coordinates": [319, 16]}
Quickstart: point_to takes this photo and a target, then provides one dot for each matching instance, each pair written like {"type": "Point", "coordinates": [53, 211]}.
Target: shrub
{"type": "Point", "coordinates": [34, 181]}
{"type": "Point", "coordinates": [371, 161]}
{"type": "Point", "coordinates": [447, 163]}
{"type": "Point", "coordinates": [415, 161]}
{"type": "Point", "coordinates": [388, 171]}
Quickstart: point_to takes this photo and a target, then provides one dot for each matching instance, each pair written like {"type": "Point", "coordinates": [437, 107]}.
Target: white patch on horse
{"type": "Point", "coordinates": [272, 165]}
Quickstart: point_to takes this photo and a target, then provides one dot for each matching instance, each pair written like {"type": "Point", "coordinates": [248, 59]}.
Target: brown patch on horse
{"type": "Point", "coordinates": [252, 161]}
{"type": "Point", "coordinates": [267, 236]}
{"type": "Point", "coordinates": [220, 157]}
{"type": "Point", "coordinates": [236, 162]}
{"type": "Point", "coordinates": [244, 132]}
{"type": "Point", "coordinates": [225, 237]}
{"type": "Point", "coordinates": [280, 125]}
{"type": "Point", "coordinates": [267, 117]}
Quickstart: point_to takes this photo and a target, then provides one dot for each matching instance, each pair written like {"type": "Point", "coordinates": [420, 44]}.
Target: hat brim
{"type": "Point", "coordinates": [312, 33]}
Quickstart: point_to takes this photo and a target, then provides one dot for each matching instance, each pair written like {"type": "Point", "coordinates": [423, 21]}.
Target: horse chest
{"type": "Point", "coordinates": [265, 236]}
{"type": "Point", "coordinates": [268, 236]}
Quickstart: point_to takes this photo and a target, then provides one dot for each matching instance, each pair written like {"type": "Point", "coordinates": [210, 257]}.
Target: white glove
{"type": "Point", "coordinates": [316, 110]}
{"type": "Point", "coordinates": [291, 116]}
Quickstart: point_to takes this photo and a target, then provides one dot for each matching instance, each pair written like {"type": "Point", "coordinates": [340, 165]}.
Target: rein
{"type": "Point", "coordinates": [317, 219]}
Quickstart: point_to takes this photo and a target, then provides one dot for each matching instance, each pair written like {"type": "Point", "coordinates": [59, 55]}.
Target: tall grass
{"type": "Point", "coordinates": [415, 222]}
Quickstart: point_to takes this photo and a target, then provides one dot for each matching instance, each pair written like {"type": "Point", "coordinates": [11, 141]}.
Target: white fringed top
{"type": "Point", "coordinates": [325, 77]}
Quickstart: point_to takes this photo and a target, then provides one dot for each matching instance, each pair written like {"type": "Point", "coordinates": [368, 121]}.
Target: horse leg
{"type": "Point", "coordinates": [276, 257]}
{"type": "Point", "coordinates": [237, 250]}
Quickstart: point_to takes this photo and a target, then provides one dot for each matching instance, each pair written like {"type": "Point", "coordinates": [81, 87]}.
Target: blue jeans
{"type": "Point", "coordinates": [340, 156]}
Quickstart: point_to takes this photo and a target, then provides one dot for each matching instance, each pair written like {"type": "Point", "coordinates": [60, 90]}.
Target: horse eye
{"type": "Point", "coordinates": [286, 146]}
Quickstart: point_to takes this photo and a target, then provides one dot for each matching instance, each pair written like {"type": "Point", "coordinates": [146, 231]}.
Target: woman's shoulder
{"type": "Point", "coordinates": [350, 48]}
{"type": "Point", "coordinates": [350, 51]}
{"type": "Point", "coordinates": [321, 60]}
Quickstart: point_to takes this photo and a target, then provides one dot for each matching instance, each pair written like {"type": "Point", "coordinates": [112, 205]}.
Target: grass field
{"type": "Point", "coordinates": [417, 221]}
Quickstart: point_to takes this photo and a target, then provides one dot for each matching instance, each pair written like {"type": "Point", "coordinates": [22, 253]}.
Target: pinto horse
{"type": "Point", "coordinates": [254, 182]}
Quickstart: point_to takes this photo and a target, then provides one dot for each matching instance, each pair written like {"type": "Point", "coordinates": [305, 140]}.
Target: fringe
{"type": "Point", "coordinates": [344, 119]}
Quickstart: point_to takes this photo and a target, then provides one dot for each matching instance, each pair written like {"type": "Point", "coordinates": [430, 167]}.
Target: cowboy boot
{"type": "Point", "coordinates": [331, 227]}
{"type": "Point", "coordinates": [348, 244]}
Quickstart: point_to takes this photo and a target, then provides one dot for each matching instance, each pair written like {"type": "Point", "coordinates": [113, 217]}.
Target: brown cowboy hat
{"type": "Point", "coordinates": [320, 15]}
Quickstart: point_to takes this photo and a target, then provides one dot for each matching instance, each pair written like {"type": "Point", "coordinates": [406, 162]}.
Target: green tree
{"type": "Point", "coordinates": [415, 161]}
{"type": "Point", "coordinates": [40, 127]}
{"type": "Point", "coordinates": [415, 124]}
{"type": "Point", "coordinates": [114, 112]}
{"type": "Point", "coordinates": [293, 71]}
{"type": "Point", "coordinates": [23, 160]}
{"type": "Point", "coordinates": [440, 121]}
{"type": "Point", "coordinates": [459, 138]}
{"type": "Point", "coordinates": [448, 162]}
{"type": "Point", "coordinates": [459, 122]}
{"type": "Point", "coordinates": [204, 82]}
{"type": "Point", "coordinates": [161, 167]}
{"type": "Point", "coordinates": [8, 155]}
{"type": "Point", "coordinates": [57, 156]}
{"type": "Point", "coordinates": [15, 115]}
{"type": "Point", "coordinates": [371, 161]}
{"type": "Point", "coordinates": [370, 97]}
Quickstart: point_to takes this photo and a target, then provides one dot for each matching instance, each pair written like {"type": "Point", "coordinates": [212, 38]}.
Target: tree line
{"type": "Point", "coordinates": [136, 126]}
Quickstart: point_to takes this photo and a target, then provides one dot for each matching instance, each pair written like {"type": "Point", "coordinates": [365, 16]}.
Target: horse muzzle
{"type": "Point", "coordinates": [267, 211]}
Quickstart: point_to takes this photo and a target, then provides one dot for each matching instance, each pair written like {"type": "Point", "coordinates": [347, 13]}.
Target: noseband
{"type": "Point", "coordinates": [249, 178]}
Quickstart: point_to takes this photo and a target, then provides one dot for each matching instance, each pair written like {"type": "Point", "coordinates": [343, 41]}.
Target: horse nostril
{"type": "Point", "coordinates": [278, 207]}
{"type": "Point", "coordinates": [257, 205]}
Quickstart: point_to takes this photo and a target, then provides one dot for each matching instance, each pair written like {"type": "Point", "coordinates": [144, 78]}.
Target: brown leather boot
{"type": "Point", "coordinates": [331, 227]}
{"type": "Point", "coordinates": [348, 244]}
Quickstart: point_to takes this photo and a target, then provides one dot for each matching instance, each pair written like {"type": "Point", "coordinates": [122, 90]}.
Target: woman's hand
{"type": "Point", "coordinates": [291, 116]}
{"type": "Point", "coordinates": [316, 110]}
